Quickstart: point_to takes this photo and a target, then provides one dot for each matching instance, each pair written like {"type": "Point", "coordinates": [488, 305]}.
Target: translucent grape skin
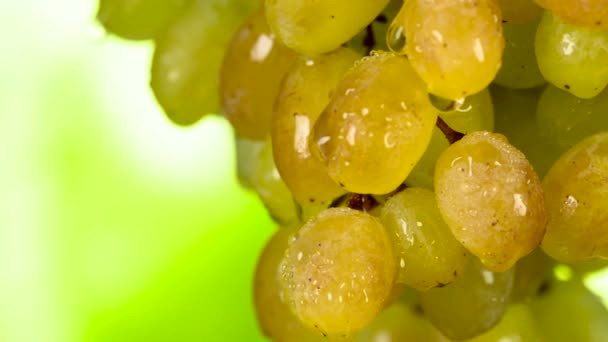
{"type": "Point", "coordinates": [589, 13]}
{"type": "Point", "coordinates": [585, 314]}
{"type": "Point", "coordinates": [247, 157]}
{"type": "Point", "coordinates": [305, 92]}
{"type": "Point", "coordinates": [519, 11]}
{"type": "Point", "coordinates": [577, 204]}
{"type": "Point", "coordinates": [139, 19]}
{"type": "Point", "coordinates": [564, 119]}
{"type": "Point", "coordinates": [427, 252]}
{"type": "Point", "coordinates": [473, 113]}
{"type": "Point", "coordinates": [339, 271]}
{"type": "Point", "coordinates": [376, 126]}
{"type": "Point", "coordinates": [271, 188]}
{"type": "Point", "coordinates": [519, 66]}
{"type": "Point", "coordinates": [491, 199]}
{"type": "Point", "coordinates": [515, 114]}
{"type": "Point", "coordinates": [455, 46]}
{"type": "Point", "coordinates": [274, 316]}
{"type": "Point", "coordinates": [188, 56]}
{"type": "Point", "coordinates": [251, 75]}
{"type": "Point", "coordinates": [471, 305]}
{"type": "Point", "coordinates": [571, 57]}
{"type": "Point", "coordinates": [316, 27]}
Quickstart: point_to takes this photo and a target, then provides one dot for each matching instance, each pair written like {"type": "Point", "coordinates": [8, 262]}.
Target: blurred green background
{"type": "Point", "coordinates": [115, 225]}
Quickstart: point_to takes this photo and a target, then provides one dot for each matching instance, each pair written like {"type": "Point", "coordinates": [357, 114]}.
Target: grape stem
{"type": "Point", "coordinates": [361, 202]}
{"type": "Point", "coordinates": [450, 134]}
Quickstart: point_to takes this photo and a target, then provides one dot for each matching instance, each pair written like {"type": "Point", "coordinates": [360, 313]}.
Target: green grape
{"type": "Point", "coordinates": [571, 57]}
{"type": "Point", "coordinates": [491, 199]}
{"type": "Point", "coordinates": [338, 271]}
{"type": "Point", "coordinates": [517, 325]}
{"type": "Point", "coordinates": [564, 119]}
{"type": "Point", "coordinates": [271, 189]}
{"type": "Point", "coordinates": [519, 67]}
{"type": "Point", "coordinates": [428, 254]}
{"type": "Point", "coordinates": [138, 19]}
{"type": "Point", "coordinates": [455, 46]}
{"type": "Point", "coordinates": [304, 94]}
{"type": "Point", "coordinates": [188, 57]}
{"type": "Point", "coordinates": [531, 272]}
{"type": "Point", "coordinates": [316, 27]}
{"type": "Point", "coordinates": [400, 321]}
{"type": "Point", "coordinates": [516, 119]}
{"type": "Point", "coordinates": [577, 204]}
{"type": "Point", "coordinates": [247, 157]}
{"type": "Point", "coordinates": [519, 11]}
{"type": "Point", "coordinates": [472, 304]}
{"type": "Point", "coordinates": [589, 266]}
{"type": "Point", "coordinates": [473, 113]}
{"type": "Point", "coordinates": [590, 13]}
{"type": "Point", "coordinates": [274, 317]}
{"type": "Point", "coordinates": [251, 75]}
{"type": "Point", "coordinates": [376, 126]}
{"type": "Point", "coordinates": [567, 311]}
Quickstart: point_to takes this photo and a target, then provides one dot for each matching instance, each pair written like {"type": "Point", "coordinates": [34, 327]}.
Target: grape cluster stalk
{"type": "Point", "coordinates": [428, 163]}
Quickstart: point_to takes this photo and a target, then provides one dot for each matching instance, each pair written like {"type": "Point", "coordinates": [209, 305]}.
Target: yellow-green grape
{"type": "Point", "coordinates": [316, 27]}
{"type": "Point", "coordinates": [400, 322]}
{"type": "Point", "coordinates": [473, 113]}
{"type": "Point", "coordinates": [517, 325]}
{"type": "Point", "coordinates": [305, 92]}
{"type": "Point", "coordinates": [589, 266]}
{"type": "Point", "coordinates": [564, 119]}
{"type": "Point", "coordinates": [568, 311]}
{"type": "Point", "coordinates": [472, 304]}
{"type": "Point", "coordinates": [530, 273]}
{"type": "Point", "coordinates": [251, 76]}
{"type": "Point", "coordinates": [247, 157]}
{"type": "Point", "coordinates": [188, 57]}
{"type": "Point", "coordinates": [427, 252]}
{"type": "Point", "coordinates": [455, 46]}
{"type": "Point", "coordinates": [571, 57]}
{"type": "Point", "coordinates": [339, 271]}
{"type": "Point", "coordinates": [271, 189]}
{"type": "Point", "coordinates": [590, 13]}
{"type": "Point", "coordinates": [138, 19]}
{"type": "Point", "coordinates": [516, 119]}
{"type": "Point", "coordinates": [273, 314]}
{"type": "Point", "coordinates": [576, 194]}
{"type": "Point", "coordinates": [491, 199]}
{"type": "Point", "coordinates": [376, 127]}
{"type": "Point", "coordinates": [519, 66]}
{"type": "Point", "coordinates": [519, 11]}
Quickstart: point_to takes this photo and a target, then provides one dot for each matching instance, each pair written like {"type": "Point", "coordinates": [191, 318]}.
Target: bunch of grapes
{"type": "Point", "coordinates": [429, 162]}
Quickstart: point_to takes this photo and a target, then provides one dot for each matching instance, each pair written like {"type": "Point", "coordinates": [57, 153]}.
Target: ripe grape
{"type": "Point", "coordinates": [247, 157]}
{"type": "Point", "coordinates": [564, 119]}
{"type": "Point", "coordinates": [571, 57]}
{"type": "Point", "coordinates": [376, 126]}
{"type": "Point", "coordinates": [577, 204]}
{"type": "Point", "coordinates": [316, 27]}
{"type": "Point", "coordinates": [568, 311]}
{"type": "Point", "coordinates": [305, 92]}
{"type": "Point", "coordinates": [188, 56]}
{"type": "Point", "coordinates": [251, 75]}
{"type": "Point", "coordinates": [138, 19]}
{"type": "Point", "coordinates": [427, 252]}
{"type": "Point", "coordinates": [472, 304]}
{"type": "Point", "coordinates": [519, 66]}
{"type": "Point", "coordinates": [517, 325]}
{"type": "Point", "coordinates": [271, 189]}
{"type": "Point", "coordinates": [339, 271]}
{"type": "Point", "coordinates": [491, 199]}
{"type": "Point", "coordinates": [590, 13]}
{"type": "Point", "coordinates": [455, 46]}
{"type": "Point", "coordinates": [274, 316]}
